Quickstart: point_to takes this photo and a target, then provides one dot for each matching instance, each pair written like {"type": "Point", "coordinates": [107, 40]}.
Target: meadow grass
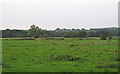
{"type": "Point", "coordinates": [60, 55]}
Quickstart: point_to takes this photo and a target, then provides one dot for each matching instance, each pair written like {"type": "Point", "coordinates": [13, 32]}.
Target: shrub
{"type": "Point", "coordinates": [53, 38]}
{"type": "Point", "coordinates": [86, 36]}
{"type": "Point", "coordinates": [103, 37]}
{"type": "Point", "coordinates": [80, 39]}
{"type": "Point", "coordinates": [72, 45]}
{"type": "Point", "coordinates": [115, 38]}
{"type": "Point", "coordinates": [109, 36]}
{"type": "Point", "coordinates": [50, 38]}
{"type": "Point", "coordinates": [112, 64]}
{"type": "Point", "coordinates": [59, 38]}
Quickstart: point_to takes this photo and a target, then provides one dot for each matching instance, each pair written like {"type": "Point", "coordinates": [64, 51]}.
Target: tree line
{"type": "Point", "coordinates": [36, 32]}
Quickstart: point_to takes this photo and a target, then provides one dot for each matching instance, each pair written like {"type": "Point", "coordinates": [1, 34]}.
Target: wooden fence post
{"type": "Point", "coordinates": [108, 43]}
{"type": "Point", "coordinates": [92, 43]}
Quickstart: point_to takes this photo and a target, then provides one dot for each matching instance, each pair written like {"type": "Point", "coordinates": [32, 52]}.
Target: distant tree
{"type": "Point", "coordinates": [81, 34]}
{"type": "Point", "coordinates": [73, 29]}
{"type": "Point", "coordinates": [7, 29]}
{"type": "Point", "coordinates": [103, 37]}
{"type": "Point", "coordinates": [19, 35]}
{"type": "Point", "coordinates": [44, 35]}
{"type": "Point", "coordinates": [34, 31]}
{"type": "Point", "coordinates": [82, 29]}
{"type": "Point", "coordinates": [86, 36]}
{"type": "Point", "coordinates": [77, 29]}
{"type": "Point", "coordinates": [109, 36]}
{"type": "Point", "coordinates": [64, 29]}
{"type": "Point", "coordinates": [70, 34]}
{"type": "Point", "coordinates": [57, 28]}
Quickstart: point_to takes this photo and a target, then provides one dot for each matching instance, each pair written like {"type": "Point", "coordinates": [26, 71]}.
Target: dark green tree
{"type": "Point", "coordinates": [35, 31]}
{"type": "Point", "coordinates": [70, 34]}
{"type": "Point", "coordinates": [81, 34]}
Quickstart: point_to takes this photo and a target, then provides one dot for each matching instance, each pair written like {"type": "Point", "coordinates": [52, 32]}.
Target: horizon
{"type": "Point", "coordinates": [63, 28]}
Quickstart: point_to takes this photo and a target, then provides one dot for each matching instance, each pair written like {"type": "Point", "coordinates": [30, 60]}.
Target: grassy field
{"type": "Point", "coordinates": [60, 55]}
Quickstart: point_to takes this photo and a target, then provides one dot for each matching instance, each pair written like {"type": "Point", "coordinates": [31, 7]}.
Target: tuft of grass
{"type": "Point", "coordinates": [112, 64]}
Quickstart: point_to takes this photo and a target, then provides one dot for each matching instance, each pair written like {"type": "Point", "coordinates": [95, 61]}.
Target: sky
{"type": "Point", "coordinates": [52, 14]}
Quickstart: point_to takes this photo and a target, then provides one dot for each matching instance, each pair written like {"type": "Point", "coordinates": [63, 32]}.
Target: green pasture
{"type": "Point", "coordinates": [55, 55]}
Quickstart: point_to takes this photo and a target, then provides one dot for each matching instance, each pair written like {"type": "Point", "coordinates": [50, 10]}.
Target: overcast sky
{"type": "Point", "coordinates": [50, 14]}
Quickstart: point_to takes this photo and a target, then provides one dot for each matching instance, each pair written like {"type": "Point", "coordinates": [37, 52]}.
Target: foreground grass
{"type": "Point", "coordinates": [68, 55]}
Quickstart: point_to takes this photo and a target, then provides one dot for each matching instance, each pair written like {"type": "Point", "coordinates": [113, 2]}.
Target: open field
{"type": "Point", "coordinates": [60, 55]}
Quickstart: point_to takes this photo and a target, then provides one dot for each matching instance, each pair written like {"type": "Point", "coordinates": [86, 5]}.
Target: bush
{"type": "Point", "coordinates": [103, 37]}
{"type": "Point", "coordinates": [115, 38]}
{"type": "Point", "coordinates": [50, 38]}
{"type": "Point", "coordinates": [59, 38]}
{"type": "Point", "coordinates": [72, 45]}
{"type": "Point", "coordinates": [80, 39]}
{"type": "Point", "coordinates": [109, 36]}
{"type": "Point", "coordinates": [86, 36]}
{"type": "Point", "coordinates": [53, 38]}
{"type": "Point", "coordinates": [112, 64]}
